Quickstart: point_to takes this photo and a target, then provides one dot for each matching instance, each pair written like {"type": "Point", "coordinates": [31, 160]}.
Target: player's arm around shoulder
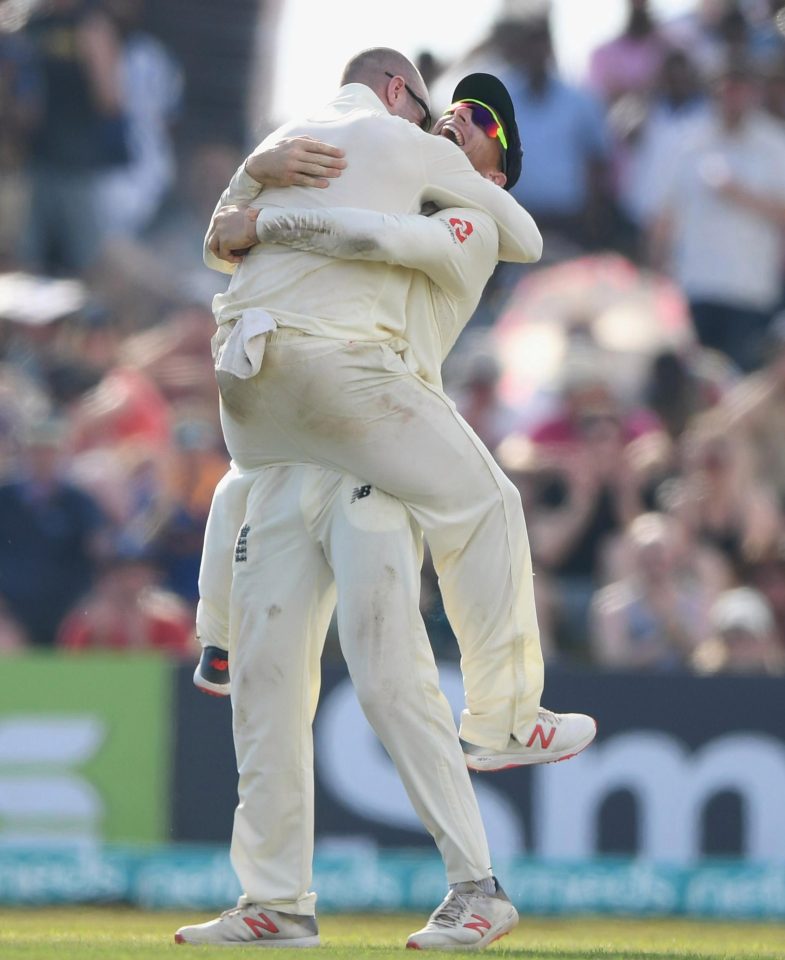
{"type": "Point", "coordinates": [452, 181]}
{"type": "Point", "coordinates": [456, 248]}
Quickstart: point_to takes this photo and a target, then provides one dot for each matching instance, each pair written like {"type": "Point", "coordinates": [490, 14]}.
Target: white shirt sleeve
{"type": "Point", "coordinates": [455, 248]}
{"type": "Point", "coordinates": [242, 190]}
{"type": "Point", "coordinates": [451, 181]}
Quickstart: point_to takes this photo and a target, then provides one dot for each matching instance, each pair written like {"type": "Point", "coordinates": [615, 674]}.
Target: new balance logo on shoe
{"type": "Point", "coordinates": [241, 926]}
{"type": "Point", "coordinates": [545, 739]}
{"type": "Point", "coordinates": [480, 923]}
{"type": "Point", "coordinates": [458, 924]}
{"type": "Point", "coordinates": [241, 547]}
{"type": "Point", "coordinates": [264, 923]}
{"type": "Point", "coordinates": [552, 737]}
{"type": "Point", "coordinates": [360, 493]}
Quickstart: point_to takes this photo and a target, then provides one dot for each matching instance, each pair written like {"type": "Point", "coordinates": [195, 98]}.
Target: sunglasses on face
{"type": "Point", "coordinates": [425, 123]}
{"type": "Point", "coordinates": [484, 117]}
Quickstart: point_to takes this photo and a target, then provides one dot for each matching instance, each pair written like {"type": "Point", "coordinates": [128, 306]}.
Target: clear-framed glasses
{"type": "Point", "coordinates": [425, 123]}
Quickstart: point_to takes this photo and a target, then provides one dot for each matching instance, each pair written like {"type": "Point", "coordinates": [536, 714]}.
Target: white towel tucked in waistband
{"type": "Point", "coordinates": [240, 354]}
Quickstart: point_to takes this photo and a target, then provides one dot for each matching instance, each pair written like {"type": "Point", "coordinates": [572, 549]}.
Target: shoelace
{"type": "Point", "coordinates": [450, 911]}
{"type": "Point", "coordinates": [550, 716]}
{"type": "Point", "coordinates": [232, 911]}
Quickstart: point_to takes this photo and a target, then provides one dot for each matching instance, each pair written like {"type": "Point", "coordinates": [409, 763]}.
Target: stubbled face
{"type": "Point", "coordinates": [482, 151]}
{"type": "Point", "coordinates": [412, 111]}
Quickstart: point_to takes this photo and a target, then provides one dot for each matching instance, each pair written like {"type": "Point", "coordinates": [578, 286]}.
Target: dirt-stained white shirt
{"type": "Point", "coordinates": [392, 168]}
{"type": "Point", "coordinates": [449, 257]}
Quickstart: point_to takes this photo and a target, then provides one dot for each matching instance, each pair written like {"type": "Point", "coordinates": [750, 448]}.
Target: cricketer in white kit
{"type": "Point", "coordinates": [302, 526]}
{"type": "Point", "coordinates": [334, 389]}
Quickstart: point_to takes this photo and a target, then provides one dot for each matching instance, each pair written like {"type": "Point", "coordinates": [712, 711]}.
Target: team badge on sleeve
{"type": "Point", "coordinates": [462, 229]}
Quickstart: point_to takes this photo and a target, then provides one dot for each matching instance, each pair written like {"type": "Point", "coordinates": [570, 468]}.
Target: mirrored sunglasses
{"type": "Point", "coordinates": [484, 116]}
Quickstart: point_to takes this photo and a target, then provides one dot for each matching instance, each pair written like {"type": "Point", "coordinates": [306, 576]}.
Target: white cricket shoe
{"type": "Point", "coordinates": [252, 925]}
{"type": "Point", "coordinates": [553, 737]}
{"type": "Point", "coordinates": [467, 919]}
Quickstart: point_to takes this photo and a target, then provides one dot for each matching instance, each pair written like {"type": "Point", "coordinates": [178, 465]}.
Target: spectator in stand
{"type": "Point", "coordinates": [712, 31]}
{"type": "Point", "coordinates": [720, 499]}
{"type": "Point", "coordinates": [428, 65]}
{"type": "Point", "coordinates": [120, 441]}
{"type": "Point", "coordinates": [79, 132]}
{"type": "Point", "coordinates": [52, 536]}
{"type": "Point", "coordinates": [473, 385]}
{"type": "Point", "coordinates": [198, 461]}
{"type": "Point", "coordinates": [177, 236]}
{"type": "Point", "coordinates": [496, 53]}
{"type": "Point", "coordinates": [743, 639]}
{"type": "Point", "coordinates": [677, 100]}
{"type": "Point", "coordinates": [773, 97]}
{"type": "Point", "coordinates": [768, 576]}
{"type": "Point", "coordinates": [175, 353]}
{"type": "Point", "coordinates": [163, 269]}
{"type": "Point", "coordinates": [766, 30]}
{"type": "Point", "coordinates": [129, 197]}
{"type": "Point", "coordinates": [23, 403]}
{"type": "Point", "coordinates": [630, 63]}
{"type": "Point", "coordinates": [144, 446]}
{"type": "Point", "coordinates": [126, 406]}
{"type": "Point", "coordinates": [127, 610]}
{"type": "Point", "coordinates": [681, 385]}
{"type": "Point", "coordinates": [755, 410]}
{"type": "Point", "coordinates": [656, 613]}
{"type": "Point", "coordinates": [587, 489]}
{"type": "Point", "coordinates": [586, 392]}
{"type": "Point", "coordinates": [565, 185]}
{"type": "Point", "coordinates": [721, 225]}
{"type": "Point", "coordinates": [732, 35]}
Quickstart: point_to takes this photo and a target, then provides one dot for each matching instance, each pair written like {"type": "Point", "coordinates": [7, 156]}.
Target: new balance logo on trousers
{"type": "Point", "coordinates": [360, 492]}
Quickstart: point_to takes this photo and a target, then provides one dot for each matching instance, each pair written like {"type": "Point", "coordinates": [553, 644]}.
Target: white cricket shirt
{"type": "Point", "coordinates": [393, 167]}
{"type": "Point", "coordinates": [448, 258]}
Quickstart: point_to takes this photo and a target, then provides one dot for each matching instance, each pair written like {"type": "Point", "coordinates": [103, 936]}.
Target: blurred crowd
{"type": "Point", "coordinates": [632, 384]}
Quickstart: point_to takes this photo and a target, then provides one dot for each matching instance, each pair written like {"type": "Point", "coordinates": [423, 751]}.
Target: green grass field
{"type": "Point", "coordinates": [75, 933]}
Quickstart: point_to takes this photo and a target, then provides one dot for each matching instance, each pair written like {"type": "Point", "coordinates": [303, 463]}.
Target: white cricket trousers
{"type": "Point", "coordinates": [304, 527]}
{"type": "Point", "coordinates": [356, 407]}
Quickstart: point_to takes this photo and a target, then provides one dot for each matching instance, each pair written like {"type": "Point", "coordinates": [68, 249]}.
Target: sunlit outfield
{"type": "Point", "coordinates": [80, 934]}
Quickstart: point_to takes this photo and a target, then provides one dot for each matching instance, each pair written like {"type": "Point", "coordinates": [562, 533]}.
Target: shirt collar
{"type": "Point", "coordinates": [359, 95]}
